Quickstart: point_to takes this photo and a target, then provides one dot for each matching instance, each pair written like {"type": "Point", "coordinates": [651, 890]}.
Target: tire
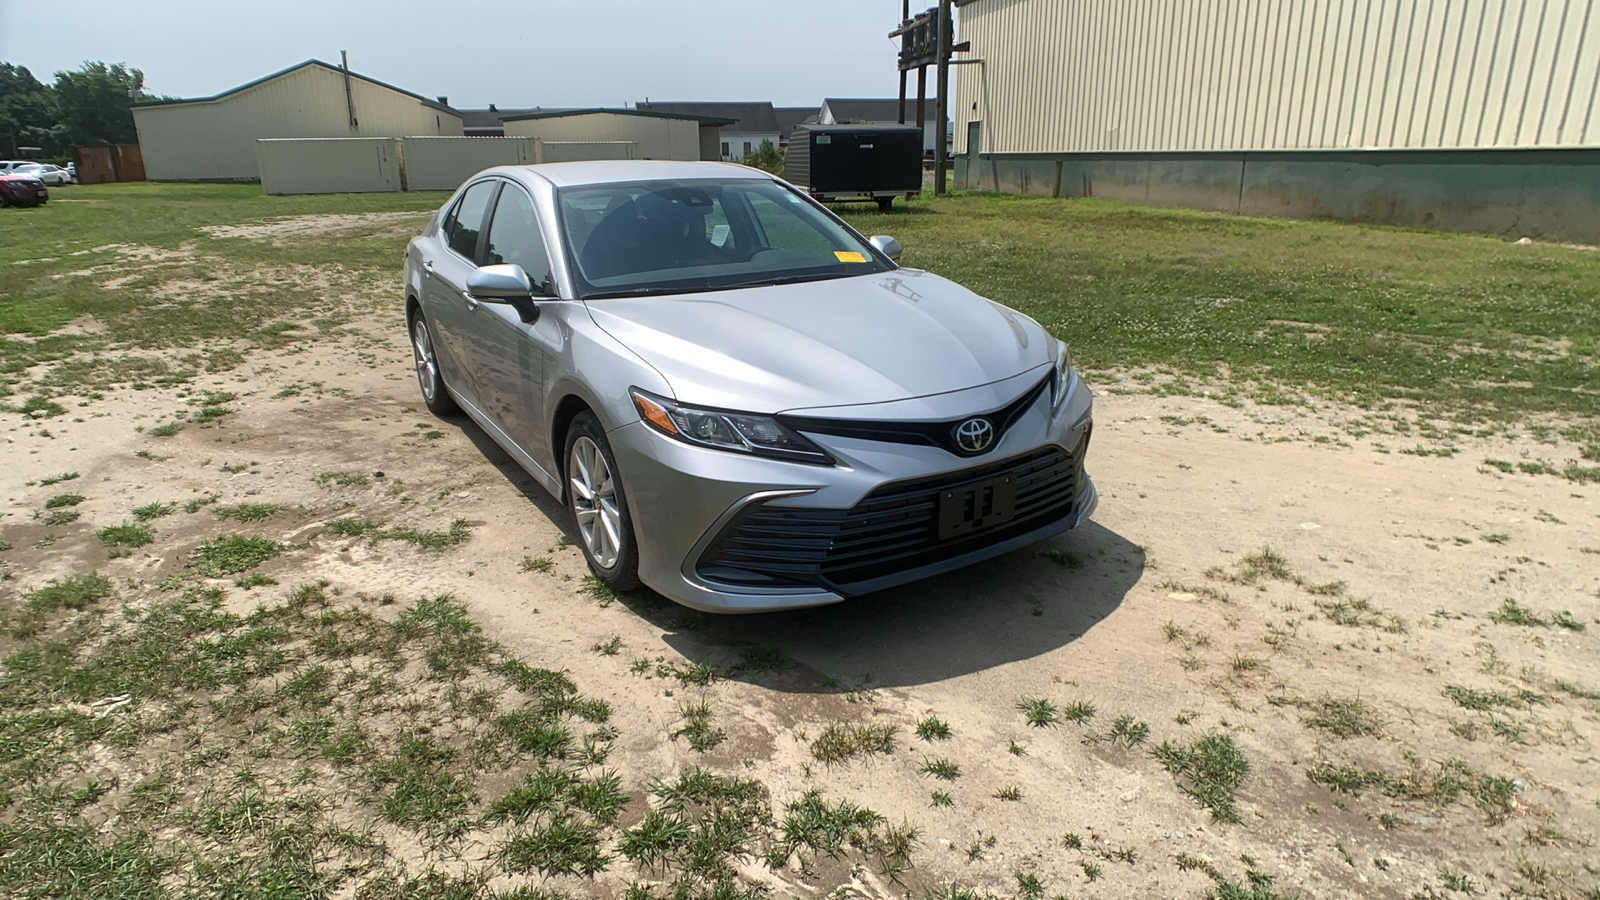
{"type": "Point", "coordinates": [884, 203]}
{"type": "Point", "coordinates": [599, 505]}
{"type": "Point", "coordinates": [426, 358]}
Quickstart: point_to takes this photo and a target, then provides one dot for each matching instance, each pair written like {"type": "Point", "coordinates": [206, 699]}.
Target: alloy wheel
{"type": "Point", "coordinates": [594, 503]}
{"type": "Point", "coordinates": [422, 352]}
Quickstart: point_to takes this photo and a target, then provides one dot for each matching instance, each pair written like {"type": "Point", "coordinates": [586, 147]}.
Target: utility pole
{"type": "Point", "coordinates": [942, 101]}
{"type": "Point", "coordinates": [905, 19]}
{"type": "Point", "coordinates": [349, 98]}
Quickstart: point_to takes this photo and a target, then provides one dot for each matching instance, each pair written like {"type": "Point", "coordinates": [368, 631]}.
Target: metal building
{"type": "Point", "coordinates": [1461, 114]}
{"type": "Point", "coordinates": [657, 135]}
{"type": "Point", "coordinates": [214, 138]}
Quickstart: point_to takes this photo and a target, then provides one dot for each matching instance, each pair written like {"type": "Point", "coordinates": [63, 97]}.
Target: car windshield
{"type": "Point", "coordinates": [664, 237]}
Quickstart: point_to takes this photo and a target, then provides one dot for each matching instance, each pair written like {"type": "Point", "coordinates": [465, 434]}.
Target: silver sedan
{"type": "Point", "coordinates": [743, 403]}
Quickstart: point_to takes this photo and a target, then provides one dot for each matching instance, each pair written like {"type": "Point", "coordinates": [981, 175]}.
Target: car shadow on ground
{"type": "Point", "coordinates": [519, 478]}
{"type": "Point", "coordinates": [1018, 606]}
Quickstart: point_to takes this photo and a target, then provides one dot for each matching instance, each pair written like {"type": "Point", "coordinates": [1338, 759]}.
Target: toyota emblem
{"type": "Point", "coordinates": [974, 435]}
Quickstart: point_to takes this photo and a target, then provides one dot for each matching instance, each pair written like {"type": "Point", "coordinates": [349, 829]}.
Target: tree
{"type": "Point", "coordinates": [765, 157]}
{"type": "Point", "coordinates": [93, 104]}
{"type": "Point", "coordinates": [26, 117]}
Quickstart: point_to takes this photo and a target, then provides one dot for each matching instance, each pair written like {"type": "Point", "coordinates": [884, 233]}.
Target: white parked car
{"type": "Point", "coordinates": [45, 172]}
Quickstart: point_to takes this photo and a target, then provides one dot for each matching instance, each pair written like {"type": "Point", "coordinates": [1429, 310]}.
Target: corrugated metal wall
{"type": "Point", "coordinates": [443, 163]}
{"type": "Point", "coordinates": [657, 138]}
{"type": "Point", "coordinates": [329, 165]}
{"type": "Point", "coordinates": [216, 140]}
{"type": "Point", "coordinates": [1106, 75]}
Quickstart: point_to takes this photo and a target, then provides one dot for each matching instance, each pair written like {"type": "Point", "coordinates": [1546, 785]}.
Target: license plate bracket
{"type": "Point", "coordinates": [976, 506]}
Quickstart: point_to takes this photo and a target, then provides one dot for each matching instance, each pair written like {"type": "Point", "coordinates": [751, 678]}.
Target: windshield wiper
{"type": "Point", "coordinates": [781, 279]}
{"type": "Point", "coordinates": [640, 292]}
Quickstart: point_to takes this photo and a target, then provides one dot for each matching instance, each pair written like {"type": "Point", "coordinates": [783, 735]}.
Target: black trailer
{"type": "Point", "coordinates": [856, 162]}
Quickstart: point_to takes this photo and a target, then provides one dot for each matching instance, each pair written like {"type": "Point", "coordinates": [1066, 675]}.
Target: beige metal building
{"type": "Point", "coordinates": [1469, 114]}
{"type": "Point", "coordinates": [657, 135]}
{"type": "Point", "coordinates": [214, 138]}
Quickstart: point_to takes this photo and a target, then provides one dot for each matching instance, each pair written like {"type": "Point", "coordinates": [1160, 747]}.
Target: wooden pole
{"type": "Point", "coordinates": [942, 101]}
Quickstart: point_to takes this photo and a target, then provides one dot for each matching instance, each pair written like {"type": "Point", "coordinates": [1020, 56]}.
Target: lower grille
{"type": "Point", "coordinates": [892, 530]}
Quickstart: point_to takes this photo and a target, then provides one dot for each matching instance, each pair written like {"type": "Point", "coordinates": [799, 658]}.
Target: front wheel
{"type": "Point", "coordinates": [426, 358]}
{"type": "Point", "coordinates": [599, 505]}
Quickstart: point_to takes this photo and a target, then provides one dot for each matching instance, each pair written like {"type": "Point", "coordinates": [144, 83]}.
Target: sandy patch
{"type": "Point", "coordinates": [292, 228]}
{"type": "Point", "coordinates": [1138, 628]}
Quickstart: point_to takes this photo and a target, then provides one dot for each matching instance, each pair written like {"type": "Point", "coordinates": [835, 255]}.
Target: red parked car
{"type": "Point", "coordinates": [22, 190]}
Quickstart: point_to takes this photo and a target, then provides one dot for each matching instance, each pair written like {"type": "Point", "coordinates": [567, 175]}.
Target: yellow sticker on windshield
{"type": "Point", "coordinates": [849, 256]}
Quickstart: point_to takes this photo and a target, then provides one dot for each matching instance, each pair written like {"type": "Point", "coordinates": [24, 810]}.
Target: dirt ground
{"type": "Point", "coordinates": [1393, 563]}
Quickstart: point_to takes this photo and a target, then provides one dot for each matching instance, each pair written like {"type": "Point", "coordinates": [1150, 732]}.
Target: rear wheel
{"type": "Point", "coordinates": [427, 361]}
{"type": "Point", "coordinates": [599, 505]}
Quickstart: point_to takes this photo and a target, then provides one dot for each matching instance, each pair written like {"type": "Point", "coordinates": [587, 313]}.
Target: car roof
{"type": "Point", "coordinates": [568, 174]}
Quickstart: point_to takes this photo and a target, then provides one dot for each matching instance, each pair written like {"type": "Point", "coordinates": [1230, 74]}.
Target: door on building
{"type": "Point", "coordinates": [974, 139]}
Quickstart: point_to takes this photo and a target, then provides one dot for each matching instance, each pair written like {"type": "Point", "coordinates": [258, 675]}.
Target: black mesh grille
{"type": "Point", "coordinates": [892, 530]}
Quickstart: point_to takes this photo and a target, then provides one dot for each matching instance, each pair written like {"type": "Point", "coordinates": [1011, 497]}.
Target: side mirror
{"type": "Point", "coordinates": [506, 283]}
{"type": "Point", "coordinates": [886, 245]}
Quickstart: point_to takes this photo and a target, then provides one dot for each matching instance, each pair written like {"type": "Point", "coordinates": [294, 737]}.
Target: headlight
{"type": "Point", "coordinates": [1062, 380]}
{"type": "Point", "coordinates": [738, 432]}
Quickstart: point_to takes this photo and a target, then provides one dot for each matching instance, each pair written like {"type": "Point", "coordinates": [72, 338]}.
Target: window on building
{"type": "Point", "coordinates": [724, 149]}
{"type": "Point", "coordinates": [746, 148]}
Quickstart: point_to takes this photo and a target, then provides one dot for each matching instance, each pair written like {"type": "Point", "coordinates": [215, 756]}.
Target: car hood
{"type": "Point", "coordinates": [842, 342]}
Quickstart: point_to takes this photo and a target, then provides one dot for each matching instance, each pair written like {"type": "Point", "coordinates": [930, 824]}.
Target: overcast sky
{"type": "Point", "coordinates": [528, 53]}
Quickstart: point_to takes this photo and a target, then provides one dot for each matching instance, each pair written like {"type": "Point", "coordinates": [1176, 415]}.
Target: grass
{"type": "Point", "coordinates": [374, 531]}
{"type": "Point", "coordinates": [1343, 717]}
{"type": "Point", "coordinates": [1128, 731]}
{"type": "Point", "coordinates": [841, 742]}
{"type": "Point", "coordinates": [942, 769]}
{"type": "Point", "coordinates": [933, 728]}
{"type": "Point", "coordinates": [1389, 307]}
{"type": "Point", "coordinates": [1439, 784]}
{"type": "Point", "coordinates": [61, 500]}
{"type": "Point", "coordinates": [127, 534]}
{"type": "Point", "coordinates": [696, 727]}
{"type": "Point", "coordinates": [155, 510]}
{"type": "Point", "coordinates": [341, 479]}
{"type": "Point", "coordinates": [1513, 613]}
{"type": "Point", "coordinates": [298, 726]}
{"type": "Point", "coordinates": [1039, 712]}
{"type": "Point", "coordinates": [230, 554]}
{"type": "Point", "coordinates": [1210, 769]}
{"type": "Point", "coordinates": [248, 512]}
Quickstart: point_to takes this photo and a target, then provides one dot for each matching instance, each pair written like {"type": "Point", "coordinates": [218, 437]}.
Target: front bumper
{"type": "Point", "coordinates": [686, 500]}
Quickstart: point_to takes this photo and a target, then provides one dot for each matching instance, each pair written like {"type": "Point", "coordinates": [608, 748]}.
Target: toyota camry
{"type": "Point", "coordinates": [742, 402]}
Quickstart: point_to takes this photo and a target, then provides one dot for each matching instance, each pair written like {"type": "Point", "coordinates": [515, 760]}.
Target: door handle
{"type": "Point", "coordinates": [428, 264]}
{"type": "Point", "coordinates": [472, 302]}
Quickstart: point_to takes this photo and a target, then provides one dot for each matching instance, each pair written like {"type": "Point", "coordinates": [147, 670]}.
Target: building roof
{"type": "Point", "coordinates": [647, 113]}
{"type": "Point", "coordinates": [743, 115]}
{"type": "Point", "coordinates": [790, 116]}
{"type": "Point", "coordinates": [872, 109]}
{"type": "Point", "coordinates": [602, 171]}
{"type": "Point", "coordinates": [491, 117]}
{"type": "Point", "coordinates": [295, 68]}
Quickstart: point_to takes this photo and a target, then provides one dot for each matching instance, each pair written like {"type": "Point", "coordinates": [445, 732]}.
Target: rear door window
{"type": "Point", "coordinates": [462, 226]}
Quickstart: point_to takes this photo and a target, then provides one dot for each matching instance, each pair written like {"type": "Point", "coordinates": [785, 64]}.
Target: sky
{"type": "Point", "coordinates": [513, 54]}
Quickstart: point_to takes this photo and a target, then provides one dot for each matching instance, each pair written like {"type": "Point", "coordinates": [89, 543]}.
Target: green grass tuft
{"type": "Point", "coordinates": [230, 554]}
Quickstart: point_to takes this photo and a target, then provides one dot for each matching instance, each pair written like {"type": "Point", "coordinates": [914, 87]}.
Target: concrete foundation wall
{"type": "Point", "coordinates": [1543, 193]}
